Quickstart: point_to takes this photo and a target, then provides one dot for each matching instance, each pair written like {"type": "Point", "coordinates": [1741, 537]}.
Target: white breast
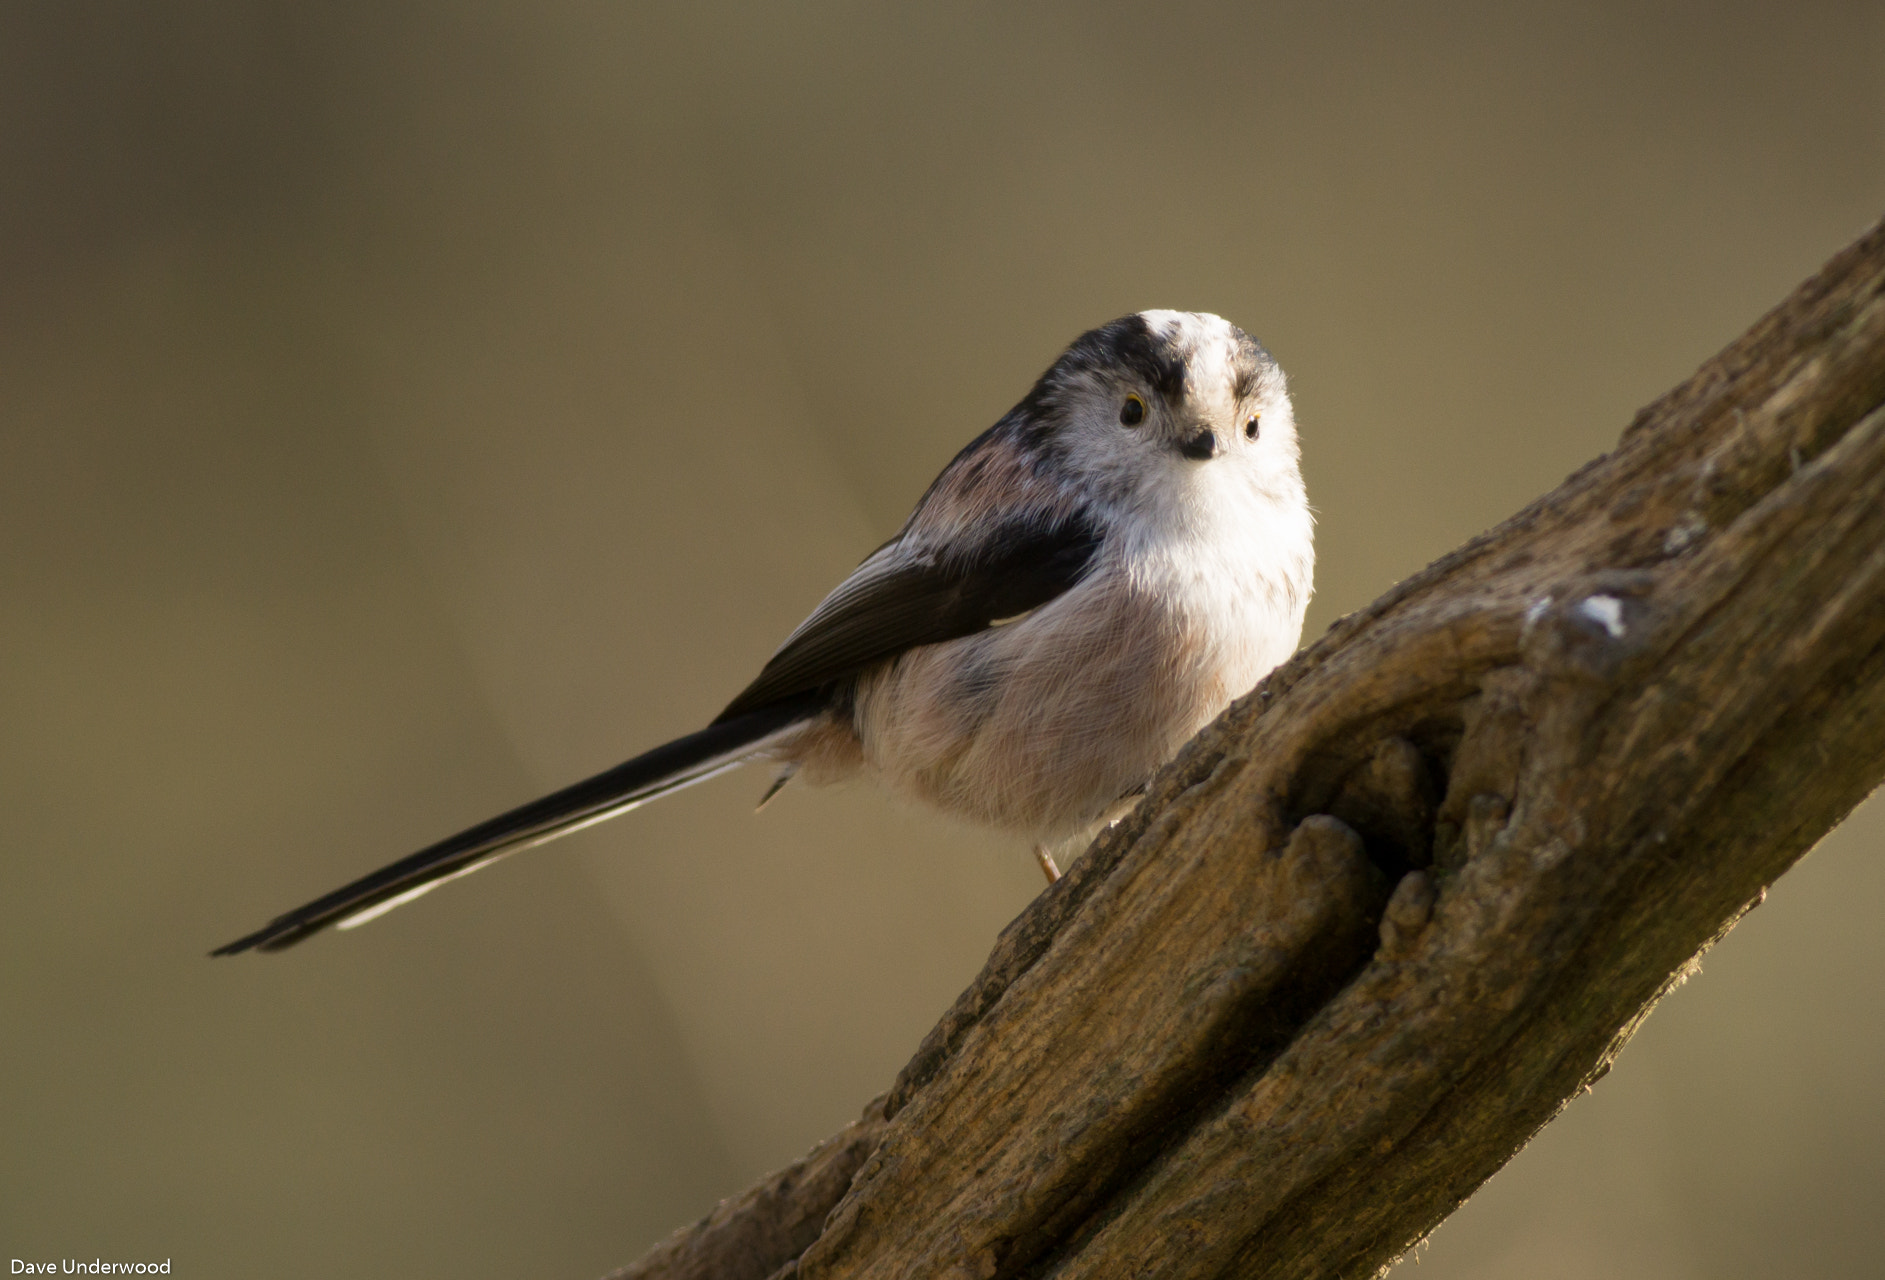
{"type": "Point", "coordinates": [1039, 727]}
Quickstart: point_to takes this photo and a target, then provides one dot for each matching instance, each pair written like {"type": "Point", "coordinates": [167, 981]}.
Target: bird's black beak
{"type": "Point", "coordinates": [1200, 448]}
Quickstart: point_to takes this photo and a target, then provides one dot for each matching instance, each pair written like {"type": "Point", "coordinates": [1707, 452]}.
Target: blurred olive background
{"type": "Point", "coordinates": [406, 408]}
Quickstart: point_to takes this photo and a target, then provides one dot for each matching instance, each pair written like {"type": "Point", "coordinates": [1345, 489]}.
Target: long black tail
{"type": "Point", "coordinates": [698, 756]}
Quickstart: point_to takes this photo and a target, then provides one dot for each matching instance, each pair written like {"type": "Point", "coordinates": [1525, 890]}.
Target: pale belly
{"type": "Point", "coordinates": [1041, 726]}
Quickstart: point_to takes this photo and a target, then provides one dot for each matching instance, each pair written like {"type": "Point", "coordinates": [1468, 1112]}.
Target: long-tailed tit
{"type": "Point", "coordinates": [1083, 588]}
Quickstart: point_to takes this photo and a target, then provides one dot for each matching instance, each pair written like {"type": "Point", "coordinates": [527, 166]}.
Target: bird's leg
{"type": "Point", "coordinates": [1046, 859]}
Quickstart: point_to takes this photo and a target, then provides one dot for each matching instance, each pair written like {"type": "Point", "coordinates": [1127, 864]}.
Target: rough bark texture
{"type": "Point", "coordinates": [1379, 923]}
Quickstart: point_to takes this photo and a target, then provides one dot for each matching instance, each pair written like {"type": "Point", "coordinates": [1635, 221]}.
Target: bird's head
{"type": "Point", "coordinates": [1165, 406]}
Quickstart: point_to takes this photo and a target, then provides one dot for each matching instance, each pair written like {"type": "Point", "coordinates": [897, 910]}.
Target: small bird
{"type": "Point", "coordinates": [1084, 587]}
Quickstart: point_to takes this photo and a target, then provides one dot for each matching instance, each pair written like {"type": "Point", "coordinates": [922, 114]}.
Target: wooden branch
{"type": "Point", "coordinates": [1380, 922]}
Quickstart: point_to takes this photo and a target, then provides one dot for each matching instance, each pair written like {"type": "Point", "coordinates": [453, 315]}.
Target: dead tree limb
{"type": "Point", "coordinates": [1379, 923]}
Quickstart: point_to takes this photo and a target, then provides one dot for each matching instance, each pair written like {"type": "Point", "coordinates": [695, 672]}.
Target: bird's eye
{"type": "Point", "coordinates": [1132, 413]}
{"type": "Point", "coordinates": [1250, 427]}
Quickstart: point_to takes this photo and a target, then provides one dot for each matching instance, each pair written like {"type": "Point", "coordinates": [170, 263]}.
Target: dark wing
{"type": "Point", "coordinates": [903, 597]}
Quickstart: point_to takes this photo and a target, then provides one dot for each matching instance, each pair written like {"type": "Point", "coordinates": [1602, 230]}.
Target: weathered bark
{"type": "Point", "coordinates": [1376, 925]}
